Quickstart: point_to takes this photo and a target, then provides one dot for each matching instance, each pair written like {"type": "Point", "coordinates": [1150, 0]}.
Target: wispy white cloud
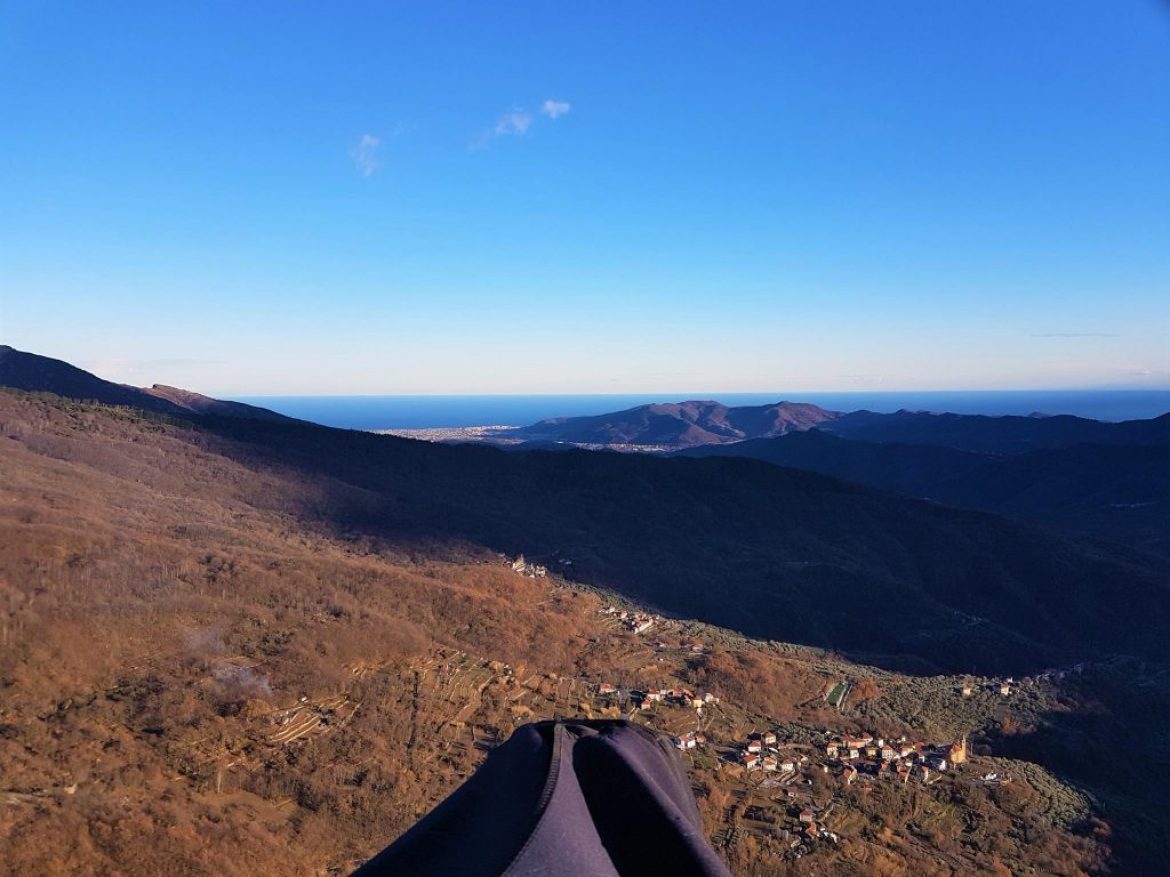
{"type": "Point", "coordinates": [555, 108]}
{"type": "Point", "coordinates": [365, 154]}
{"type": "Point", "coordinates": [516, 122]}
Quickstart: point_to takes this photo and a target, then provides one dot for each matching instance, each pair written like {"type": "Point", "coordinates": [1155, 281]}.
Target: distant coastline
{"type": "Point", "coordinates": [451, 411]}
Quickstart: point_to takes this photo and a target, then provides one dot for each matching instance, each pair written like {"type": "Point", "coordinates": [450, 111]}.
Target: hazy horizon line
{"type": "Point", "coordinates": [698, 395]}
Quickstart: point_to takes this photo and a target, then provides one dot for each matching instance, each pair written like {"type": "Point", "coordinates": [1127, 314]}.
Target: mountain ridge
{"type": "Point", "coordinates": [696, 423]}
{"type": "Point", "coordinates": [1116, 491]}
{"type": "Point", "coordinates": [1001, 434]}
{"type": "Point", "coordinates": [32, 372]}
{"type": "Point", "coordinates": [678, 423]}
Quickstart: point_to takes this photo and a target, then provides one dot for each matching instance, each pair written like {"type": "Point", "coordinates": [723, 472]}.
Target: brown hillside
{"type": "Point", "coordinates": [200, 676]}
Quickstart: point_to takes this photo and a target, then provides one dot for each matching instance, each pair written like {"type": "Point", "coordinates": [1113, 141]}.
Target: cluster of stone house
{"type": "Point", "coordinates": [896, 759]}
{"type": "Point", "coordinates": [689, 740]}
{"type": "Point", "coordinates": [532, 570]}
{"type": "Point", "coordinates": [673, 696]}
{"type": "Point", "coordinates": [995, 779]}
{"type": "Point", "coordinates": [1003, 686]}
{"type": "Point", "coordinates": [809, 828]}
{"type": "Point", "coordinates": [759, 751]}
{"type": "Point", "coordinates": [638, 622]}
{"type": "Point", "coordinates": [1009, 685]}
{"type": "Point", "coordinates": [694, 648]}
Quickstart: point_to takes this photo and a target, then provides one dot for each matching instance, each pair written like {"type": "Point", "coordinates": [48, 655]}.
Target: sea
{"type": "Point", "coordinates": [421, 412]}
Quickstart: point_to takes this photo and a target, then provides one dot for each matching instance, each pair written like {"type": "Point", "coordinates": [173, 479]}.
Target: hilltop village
{"type": "Point", "coordinates": [791, 785]}
{"type": "Point", "coordinates": [777, 778]}
{"type": "Point", "coordinates": [777, 775]}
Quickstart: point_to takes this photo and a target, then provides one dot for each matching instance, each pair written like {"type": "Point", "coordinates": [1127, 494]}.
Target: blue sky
{"type": "Point", "coordinates": [524, 197]}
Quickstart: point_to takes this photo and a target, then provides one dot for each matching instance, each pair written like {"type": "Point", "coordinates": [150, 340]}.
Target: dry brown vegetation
{"type": "Point", "coordinates": [199, 675]}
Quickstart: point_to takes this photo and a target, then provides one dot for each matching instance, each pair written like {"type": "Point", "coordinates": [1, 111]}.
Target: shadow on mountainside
{"type": "Point", "coordinates": [771, 552]}
{"type": "Point", "coordinates": [1110, 741]}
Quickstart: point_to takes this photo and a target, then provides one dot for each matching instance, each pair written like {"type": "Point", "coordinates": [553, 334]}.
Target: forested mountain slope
{"type": "Point", "coordinates": [1119, 492]}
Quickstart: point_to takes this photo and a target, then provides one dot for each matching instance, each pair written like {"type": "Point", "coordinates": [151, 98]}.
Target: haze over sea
{"type": "Point", "coordinates": [419, 412]}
